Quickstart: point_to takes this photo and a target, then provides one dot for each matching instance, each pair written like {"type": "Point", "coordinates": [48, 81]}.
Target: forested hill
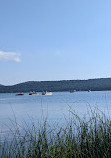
{"type": "Point", "coordinates": [64, 85]}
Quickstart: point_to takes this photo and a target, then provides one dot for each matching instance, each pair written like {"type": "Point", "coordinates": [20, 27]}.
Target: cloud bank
{"type": "Point", "coordinates": [13, 56]}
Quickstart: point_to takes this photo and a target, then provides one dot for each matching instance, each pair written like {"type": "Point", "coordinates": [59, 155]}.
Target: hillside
{"type": "Point", "coordinates": [64, 85]}
{"type": "Point", "coordinates": [1, 85]}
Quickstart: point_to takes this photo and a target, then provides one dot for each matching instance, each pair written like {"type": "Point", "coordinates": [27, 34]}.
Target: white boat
{"type": "Point", "coordinates": [46, 93]}
{"type": "Point", "coordinates": [33, 93]}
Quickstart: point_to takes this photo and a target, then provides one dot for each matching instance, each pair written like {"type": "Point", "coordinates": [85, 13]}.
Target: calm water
{"type": "Point", "coordinates": [55, 107]}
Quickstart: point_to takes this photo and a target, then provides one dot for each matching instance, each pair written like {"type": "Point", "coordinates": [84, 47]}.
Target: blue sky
{"type": "Point", "coordinates": [54, 40]}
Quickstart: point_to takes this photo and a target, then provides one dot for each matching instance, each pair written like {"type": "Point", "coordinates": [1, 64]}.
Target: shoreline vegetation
{"type": "Point", "coordinates": [81, 138]}
{"type": "Point", "coordinates": [59, 86]}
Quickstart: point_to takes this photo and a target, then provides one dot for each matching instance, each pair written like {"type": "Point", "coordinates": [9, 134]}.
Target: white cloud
{"type": "Point", "coordinates": [13, 56]}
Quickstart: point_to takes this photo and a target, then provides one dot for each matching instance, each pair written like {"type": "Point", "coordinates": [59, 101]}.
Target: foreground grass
{"type": "Point", "coordinates": [82, 138]}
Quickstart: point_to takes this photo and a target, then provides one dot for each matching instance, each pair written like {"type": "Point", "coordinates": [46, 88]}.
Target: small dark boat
{"type": "Point", "coordinates": [19, 94]}
{"type": "Point", "coordinates": [72, 91]}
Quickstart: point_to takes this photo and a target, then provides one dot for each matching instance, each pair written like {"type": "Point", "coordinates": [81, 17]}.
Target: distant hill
{"type": "Point", "coordinates": [1, 85]}
{"type": "Point", "coordinates": [64, 85]}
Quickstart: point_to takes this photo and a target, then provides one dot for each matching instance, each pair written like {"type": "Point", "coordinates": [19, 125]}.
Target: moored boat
{"type": "Point", "coordinates": [72, 91]}
{"type": "Point", "coordinates": [33, 93]}
{"type": "Point", "coordinates": [19, 94]}
{"type": "Point", "coordinates": [46, 93]}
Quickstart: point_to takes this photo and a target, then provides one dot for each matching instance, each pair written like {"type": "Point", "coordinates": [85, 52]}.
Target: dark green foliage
{"type": "Point", "coordinates": [80, 139]}
{"type": "Point", "coordinates": [65, 85]}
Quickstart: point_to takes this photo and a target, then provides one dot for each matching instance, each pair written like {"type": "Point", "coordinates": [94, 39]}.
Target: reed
{"type": "Point", "coordinates": [81, 138]}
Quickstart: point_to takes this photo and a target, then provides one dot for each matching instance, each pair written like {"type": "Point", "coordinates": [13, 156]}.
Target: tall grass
{"type": "Point", "coordinates": [81, 138]}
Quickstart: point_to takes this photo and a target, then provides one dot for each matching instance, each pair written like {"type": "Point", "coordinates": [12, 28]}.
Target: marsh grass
{"type": "Point", "coordinates": [87, 137]}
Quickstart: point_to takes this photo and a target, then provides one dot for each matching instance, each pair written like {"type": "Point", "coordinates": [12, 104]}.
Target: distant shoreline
{"type": "Point", "coordinates": [101, 84]}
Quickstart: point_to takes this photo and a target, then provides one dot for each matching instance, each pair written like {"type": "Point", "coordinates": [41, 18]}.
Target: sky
{"type": "Point", "coordinates": [45, 40]}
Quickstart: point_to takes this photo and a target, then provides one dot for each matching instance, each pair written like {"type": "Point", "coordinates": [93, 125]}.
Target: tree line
{"type": "Point", "coordinates": [63, 85]}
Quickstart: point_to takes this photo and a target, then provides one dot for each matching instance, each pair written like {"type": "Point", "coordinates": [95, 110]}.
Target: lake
{"type": "Point", "coordinates": [55, 107]}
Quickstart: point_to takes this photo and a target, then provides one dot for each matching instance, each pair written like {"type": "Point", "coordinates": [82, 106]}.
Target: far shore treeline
{"type": "Point", "coordinates": [58, 86]}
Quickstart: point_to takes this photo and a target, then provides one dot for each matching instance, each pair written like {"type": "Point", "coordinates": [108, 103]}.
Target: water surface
{"type": "Point", "coordinates": [55, 107]}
